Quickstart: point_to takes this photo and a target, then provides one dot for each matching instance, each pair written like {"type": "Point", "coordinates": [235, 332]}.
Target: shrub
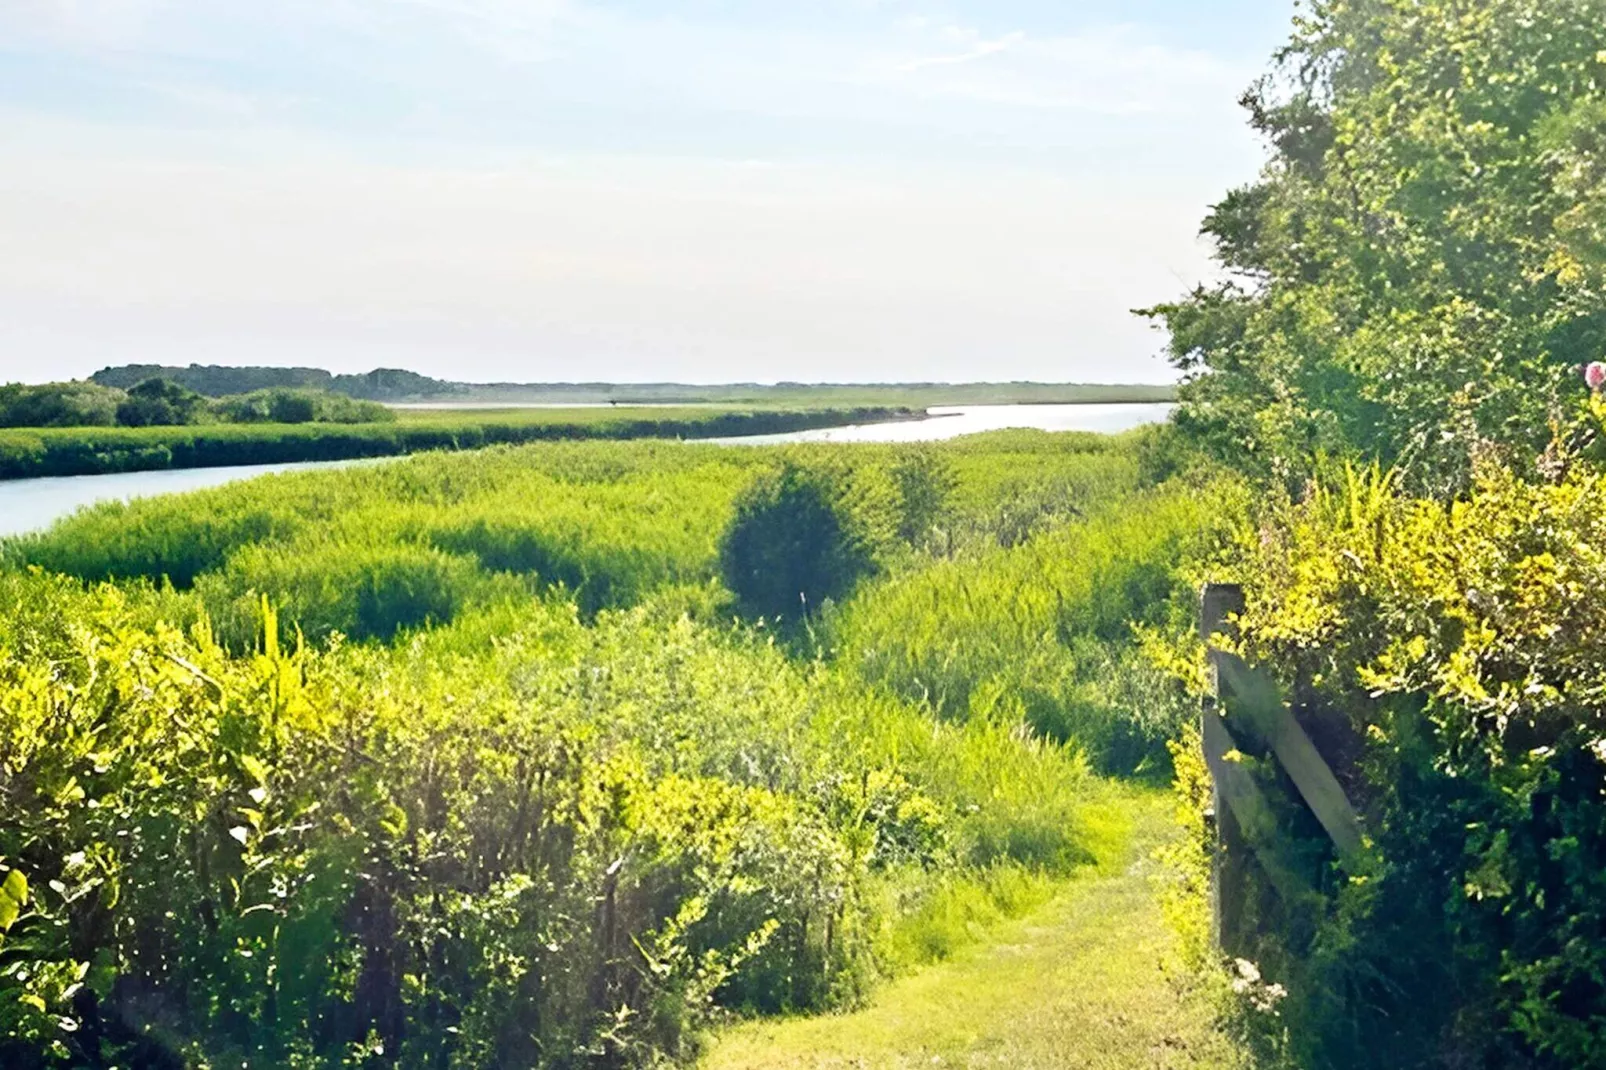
{"type": "Point", "coordinates": [804, 535]}
{"type": "Point", "coordinates": [286, 406]}
{"type": "Point", "coordinates": [925, 482]}
{"type": "Point", "coordinates": [78, 404]}
{"type": "Point", "coordinates": [1450, 656]}
{"type": "Point", "coordinates": [511, 841]}
{"type": "Point", "coordinates": [160, 403]}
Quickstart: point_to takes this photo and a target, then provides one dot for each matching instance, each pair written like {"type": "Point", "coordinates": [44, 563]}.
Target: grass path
{"type": "Point", "coordinates": [1078, 984]}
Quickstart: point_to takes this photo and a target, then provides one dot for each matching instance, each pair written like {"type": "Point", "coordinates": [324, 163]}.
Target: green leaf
{"type": "Point", "coordinates": [13, 897]}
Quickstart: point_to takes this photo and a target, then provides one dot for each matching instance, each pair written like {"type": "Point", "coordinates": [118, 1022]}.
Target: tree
{"type": "Point", "coordinates": [160, 402]}
{"type": "Point", "coordinates": [1422, 264]}
{"type": "Point", "coordinates": [76, 404]}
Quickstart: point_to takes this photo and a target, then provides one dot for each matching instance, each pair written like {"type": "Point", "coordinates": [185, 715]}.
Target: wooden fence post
{"type": "Point", "coordinates": [1228, 883]}
{"type": "Point", "coordinates": [1246, 825]}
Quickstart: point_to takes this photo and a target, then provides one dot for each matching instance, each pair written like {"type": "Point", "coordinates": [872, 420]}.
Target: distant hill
{"type": "Point", "coordinates": [395, 385]}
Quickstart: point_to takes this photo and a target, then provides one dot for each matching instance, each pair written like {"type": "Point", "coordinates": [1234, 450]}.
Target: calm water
{"type": "Point", "coordinates": [972, 419]}
{"type": "Point", "coordinates": [30, 504]}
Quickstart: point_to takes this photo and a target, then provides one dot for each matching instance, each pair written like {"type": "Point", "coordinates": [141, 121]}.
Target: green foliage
{"type": "Point", "coordinates": [1449, 654]}
{"type": "Point", "coordinates": [1419, 269]}
{"type": "Point", "coordinates": [804, 535]}
{"type": "Point", "coordinates": [548, 805]}
{"type": "Point", "coordinates": [58, 405]}
{"type": "Point", "coordinates": [358, 589]}
{"type": "Point", "coordinates": [393, 384]}
{"type": "Point", "coordinates": [284, 406]}
{"type": "Point", "coordinates": [925, 483]}
{"type": "Point", "coordinates": [215, 381]}
{"type": "Point", "coordinates": [1043, 630]}
{"type": "Point", "coordinates": [561, 849]}
{"type": "Point", "coordinates": [160, 403]}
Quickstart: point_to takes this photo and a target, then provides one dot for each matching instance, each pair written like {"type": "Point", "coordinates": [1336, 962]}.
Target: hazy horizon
{"type": "Point", "coordinates": [580, 190]}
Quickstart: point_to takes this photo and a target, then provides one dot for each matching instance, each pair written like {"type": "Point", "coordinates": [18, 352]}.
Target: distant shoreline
{"type": "Point", "coordinates": [28, 453]}
{"type": "Point", "coordinates": [399, 386]}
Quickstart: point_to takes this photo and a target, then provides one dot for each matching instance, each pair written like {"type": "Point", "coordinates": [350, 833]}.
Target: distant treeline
{"type": "Point", "coordinates": [162, 402]}
{"type": "Point", "coordinates": [388, 384]}
{"type": "Point", "coordinates": [98, 450]}
{"type": "Point", "coordinates": [213, 381]}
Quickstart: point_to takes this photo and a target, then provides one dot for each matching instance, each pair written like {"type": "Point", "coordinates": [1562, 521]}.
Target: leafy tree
{"type": "Point", "coordinates": [390, 384]}
{"type": "Point", "coordinates": [214, 380]}
{"type": "Point", "coordinates": [804, 534]}
{"type": "Point", "coordinates": [1422, 265]}
{"type": "Point", "coordinates": [300, 407]}
{"type": "Point", "coordinates": [160, 403]}
{"type": "Point", "coordinates": [58, 405]}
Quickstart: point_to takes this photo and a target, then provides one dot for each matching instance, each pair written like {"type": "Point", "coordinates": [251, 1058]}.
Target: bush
{"type": "Point", "coordinates": [1449, 655]}
{"type": "Point", "coordinates": [160, 403]}
{"type": "Point", "coordinates": [79, 404]}
{"type": "Point", "coordinates": [284, 406]}
{"type": "Point", "coordinates": [925, 482]}
{"type": "Point", "coordinates": [511, 841]}
{"type": "Point", "coordinates": [804, 535]}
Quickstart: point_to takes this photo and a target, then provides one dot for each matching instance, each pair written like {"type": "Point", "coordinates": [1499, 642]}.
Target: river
{"type": "Point", "coordinates": [30, 504]}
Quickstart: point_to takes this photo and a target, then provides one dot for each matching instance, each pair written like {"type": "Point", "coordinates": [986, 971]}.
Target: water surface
{"type": "Point", "coordinates": [30, 504]}
{"type": "Point", "coordinates": [953, 421]}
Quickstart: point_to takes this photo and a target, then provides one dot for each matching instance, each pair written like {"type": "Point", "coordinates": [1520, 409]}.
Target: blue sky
{"type": "Point", "coordinates": [580, 189]}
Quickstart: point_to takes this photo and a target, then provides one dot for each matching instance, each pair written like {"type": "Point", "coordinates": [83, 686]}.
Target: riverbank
{"type": "Point", "coordinates": [78, 451]}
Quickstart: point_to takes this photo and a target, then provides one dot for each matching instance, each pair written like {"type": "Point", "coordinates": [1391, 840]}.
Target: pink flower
{"type": "Point", "coordinates": [1595, 375]}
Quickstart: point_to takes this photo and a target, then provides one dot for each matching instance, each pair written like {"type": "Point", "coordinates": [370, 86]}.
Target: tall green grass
{"type": "Point", "coordinates": [1041, 630]}
{"type": "Point", "coordinates": [550, 802]}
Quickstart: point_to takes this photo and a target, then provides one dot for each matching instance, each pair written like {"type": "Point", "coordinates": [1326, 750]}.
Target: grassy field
{"type": "Point", "coordinates": [1078, 983]}
{"type": "Point", "coordinates": [94, 450]}
{"type": "Point", "coordinates": [474, 758]}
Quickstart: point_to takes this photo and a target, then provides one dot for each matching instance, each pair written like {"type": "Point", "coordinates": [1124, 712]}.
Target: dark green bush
{"type": "Point", "coordinates": [925, 484]}
{"type": "Point", "coordinates": [77, 404]}
{"type": "Point", "coordinates": [160, 403]}
{"type": "Point", "coordinates": [803, 535]}
{"type": "Point", "coordinates": [286, 406]}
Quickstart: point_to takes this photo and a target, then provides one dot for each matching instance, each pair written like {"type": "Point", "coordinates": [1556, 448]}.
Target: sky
{"type": "Point", "coordinates": [622, 190]}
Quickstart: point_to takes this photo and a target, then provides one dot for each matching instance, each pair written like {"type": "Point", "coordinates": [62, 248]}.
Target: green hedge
{"type": "Point", "coordinates": [1449, 658]}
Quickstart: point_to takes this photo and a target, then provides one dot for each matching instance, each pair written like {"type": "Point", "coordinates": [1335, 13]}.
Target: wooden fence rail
{"type": "Point", "coordinates": [1245, 703]}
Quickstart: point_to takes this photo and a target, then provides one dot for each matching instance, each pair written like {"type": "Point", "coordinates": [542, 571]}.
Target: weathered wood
{"type": "Point", "coordinates": [1217, 604]}
{"type": "Point", "coordinates": [1229, 873]}
{"type": "Point", "coordinates": [1257, 700]}
{"type": "Point", "coordinates": [1256, 821]}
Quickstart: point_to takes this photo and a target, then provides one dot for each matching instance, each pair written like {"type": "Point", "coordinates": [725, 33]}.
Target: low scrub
{"type": "Point", "coordinates": [565, 848]}
{"type": "Point", "coordinates": [1448, 654]}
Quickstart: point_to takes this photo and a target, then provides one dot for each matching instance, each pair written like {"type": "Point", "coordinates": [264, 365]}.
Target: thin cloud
{"type": "Point", "coordinates": [981, 50]}
{"type": "Point", "coordinates": [1109, 70]}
